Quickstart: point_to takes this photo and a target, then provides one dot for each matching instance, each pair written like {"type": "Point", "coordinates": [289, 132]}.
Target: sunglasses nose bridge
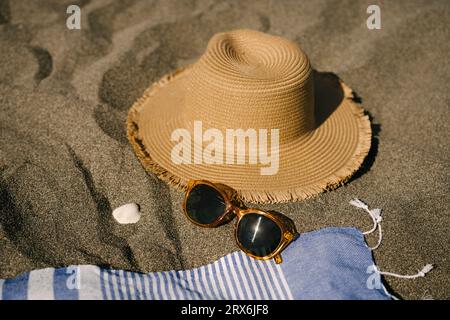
{"type": "Point", "coordinates": [238, 212]}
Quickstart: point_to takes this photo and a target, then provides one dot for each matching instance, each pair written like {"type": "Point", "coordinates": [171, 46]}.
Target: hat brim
{"type": "Point", "coordinates": [322, 160]}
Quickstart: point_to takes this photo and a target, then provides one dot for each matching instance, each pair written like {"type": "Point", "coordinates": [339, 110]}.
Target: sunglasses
{"type": "Point", "coordinates": [260, 234]}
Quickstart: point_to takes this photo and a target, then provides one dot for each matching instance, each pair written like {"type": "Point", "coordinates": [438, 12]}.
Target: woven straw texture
{"type": "Point", "coordinates": [248, 79]}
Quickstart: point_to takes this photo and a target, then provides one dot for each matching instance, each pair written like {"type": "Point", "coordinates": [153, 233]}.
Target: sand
{"type": "Point", "coordinates": [65, 161]}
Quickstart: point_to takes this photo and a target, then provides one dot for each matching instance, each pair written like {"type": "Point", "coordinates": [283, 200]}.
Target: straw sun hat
{"type": "Point", "coordinates": [250, 80]}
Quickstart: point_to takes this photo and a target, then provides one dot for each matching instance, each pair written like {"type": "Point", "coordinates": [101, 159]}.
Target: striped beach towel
{"type": "Point", "coordinates": [331, 263]}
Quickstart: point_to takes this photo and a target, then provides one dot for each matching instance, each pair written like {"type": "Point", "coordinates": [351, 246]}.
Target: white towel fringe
{"type": "Point", "coordinates": [419, 274]}
{"type": "Point", "coordinates": [375, 214]}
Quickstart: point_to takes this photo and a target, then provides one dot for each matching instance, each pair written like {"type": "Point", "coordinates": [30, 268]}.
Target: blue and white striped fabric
{"type": "Point", "coordinates": [327, 264]}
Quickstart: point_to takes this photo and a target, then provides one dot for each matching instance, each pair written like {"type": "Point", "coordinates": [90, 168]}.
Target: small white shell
{"type": "Point", "coordinates": [128, 213]}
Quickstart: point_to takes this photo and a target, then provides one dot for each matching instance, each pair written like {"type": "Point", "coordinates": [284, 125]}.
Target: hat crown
{"type": "Point", "coordinates": [248, 79]}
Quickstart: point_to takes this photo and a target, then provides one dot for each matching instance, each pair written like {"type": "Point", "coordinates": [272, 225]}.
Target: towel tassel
{"type": "Point", "coordinates": [375, 214]}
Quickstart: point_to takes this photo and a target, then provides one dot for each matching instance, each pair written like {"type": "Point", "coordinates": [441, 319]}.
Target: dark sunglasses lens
{"type": "Point", "coordinates": [258, 234]}
{"type": "Point", "coordinates": [204, 204]}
